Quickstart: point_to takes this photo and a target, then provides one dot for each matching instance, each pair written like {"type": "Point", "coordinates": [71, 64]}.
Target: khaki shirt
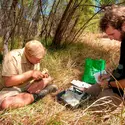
{"type": "Point", "coordinates": [15, 63]}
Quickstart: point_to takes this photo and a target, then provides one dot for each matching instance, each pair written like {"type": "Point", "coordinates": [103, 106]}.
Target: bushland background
{"type": "Point", "coordinates": [69, 29]}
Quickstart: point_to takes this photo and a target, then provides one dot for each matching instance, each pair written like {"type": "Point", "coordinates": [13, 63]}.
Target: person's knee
{"type": "Point", "coordinates": [94, 90]}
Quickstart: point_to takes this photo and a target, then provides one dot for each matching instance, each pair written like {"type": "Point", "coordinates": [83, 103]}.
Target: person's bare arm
{"type": "Point", "coordinates": [19, 79]}
{"type": "Point", "coordinates": [120, 83]}
{"type": "Point", "coordinates": [104, 82]}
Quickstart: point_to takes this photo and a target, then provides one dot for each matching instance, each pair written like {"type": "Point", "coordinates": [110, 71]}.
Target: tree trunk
{"type": "Point", "coordinates": [58, 35]}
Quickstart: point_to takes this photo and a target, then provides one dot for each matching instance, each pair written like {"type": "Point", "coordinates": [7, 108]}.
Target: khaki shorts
{"type": "Point", "coordinates": [7, 92]}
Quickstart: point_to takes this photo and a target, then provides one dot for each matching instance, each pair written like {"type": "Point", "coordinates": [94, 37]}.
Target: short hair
{"type": "Point", "coordinates": [114, 16]}
{"type": "Point", "coordinates": [34, 48]}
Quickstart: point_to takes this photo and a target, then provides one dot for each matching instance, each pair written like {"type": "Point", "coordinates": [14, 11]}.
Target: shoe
{"type": "Point", "coordinates": [49, 89]}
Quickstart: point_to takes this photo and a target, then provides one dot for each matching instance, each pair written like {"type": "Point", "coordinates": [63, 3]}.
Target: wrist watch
{"type": "Point", "coordinates": [109, 84]}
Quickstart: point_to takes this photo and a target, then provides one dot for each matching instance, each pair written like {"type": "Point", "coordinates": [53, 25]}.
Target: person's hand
{"type": "Point", "coordinates": [37, 75]}
{"type": "Point", "coordinates": [36, 87]}
{"type": "Point", "coordinates": [45, 73]}
{"type": "Point", "coordinates": [104, 77]}
{"type": "Point", "coordinates": [103, 80]}
{"type": "Point", "coordinates": [47, 80]}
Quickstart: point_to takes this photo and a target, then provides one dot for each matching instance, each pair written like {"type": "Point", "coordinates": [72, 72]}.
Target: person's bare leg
{"type": "Point", "coordinates": [37, 86]}
{"type": "Point", "coordinates": [19, 100]}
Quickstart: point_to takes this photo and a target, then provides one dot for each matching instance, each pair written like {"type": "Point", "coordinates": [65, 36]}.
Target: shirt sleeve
{"type": "Point", "coordinates": [9, 66]}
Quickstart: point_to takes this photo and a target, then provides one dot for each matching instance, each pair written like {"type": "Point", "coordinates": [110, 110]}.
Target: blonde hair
{"type": "Point", "coordinates": [34, 48]}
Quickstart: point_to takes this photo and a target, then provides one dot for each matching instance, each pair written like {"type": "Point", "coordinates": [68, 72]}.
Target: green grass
{"type": "Point", "coordinates": [64, 66]}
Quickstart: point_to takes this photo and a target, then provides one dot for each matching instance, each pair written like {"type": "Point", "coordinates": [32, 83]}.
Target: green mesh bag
{"type": "Point", "coordinates": [92, 66]}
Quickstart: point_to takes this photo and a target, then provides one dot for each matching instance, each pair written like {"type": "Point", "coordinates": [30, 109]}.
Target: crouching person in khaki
{"type": "Point", "coordinates": [23, 81]}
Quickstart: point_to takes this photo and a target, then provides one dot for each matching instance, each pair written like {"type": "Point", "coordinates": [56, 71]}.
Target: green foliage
{"type": "Point", "coordinates": [28, 2]}
{"type": "Point", "coordinates": [93, 25]}
{"type": "Point", "coordinates": [54, 122]}
{"type": "Point", "coordinates": [85, 12]}
{"type": "Point", "coordinates": [122, 1]}
{"type": "Point", "coordinates": [46, 42]}
{"type": "Point", "coordinates": [27, 21]}
{"type": "Point", "coordinates": [107, 2]}
{"type": "Point", "coordinates": [16, 43]}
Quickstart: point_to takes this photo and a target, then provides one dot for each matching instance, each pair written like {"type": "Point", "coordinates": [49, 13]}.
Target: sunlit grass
{"type": "Point", "coordinates": [64, 66]}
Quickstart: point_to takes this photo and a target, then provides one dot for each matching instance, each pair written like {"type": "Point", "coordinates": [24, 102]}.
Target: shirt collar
{"type": "Point", "coordinates": [24, 59]}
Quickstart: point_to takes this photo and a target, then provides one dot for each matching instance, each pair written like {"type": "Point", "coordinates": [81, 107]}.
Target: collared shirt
{"type": "Point", "coordinates": [16, 63]}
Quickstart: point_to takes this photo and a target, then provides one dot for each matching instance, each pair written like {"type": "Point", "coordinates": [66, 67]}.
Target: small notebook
{"type": "Point", "coordinates": [96, 75]}
{"type": "Point", "coordinates": [80, 84]}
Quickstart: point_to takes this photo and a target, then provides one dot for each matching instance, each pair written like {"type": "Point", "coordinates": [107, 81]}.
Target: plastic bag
{"type": "Point", "coordinates": [92, 66]}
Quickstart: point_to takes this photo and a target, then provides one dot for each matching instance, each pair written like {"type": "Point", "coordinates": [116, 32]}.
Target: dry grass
{"type": "Point", "coordinates": [66, 65]}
